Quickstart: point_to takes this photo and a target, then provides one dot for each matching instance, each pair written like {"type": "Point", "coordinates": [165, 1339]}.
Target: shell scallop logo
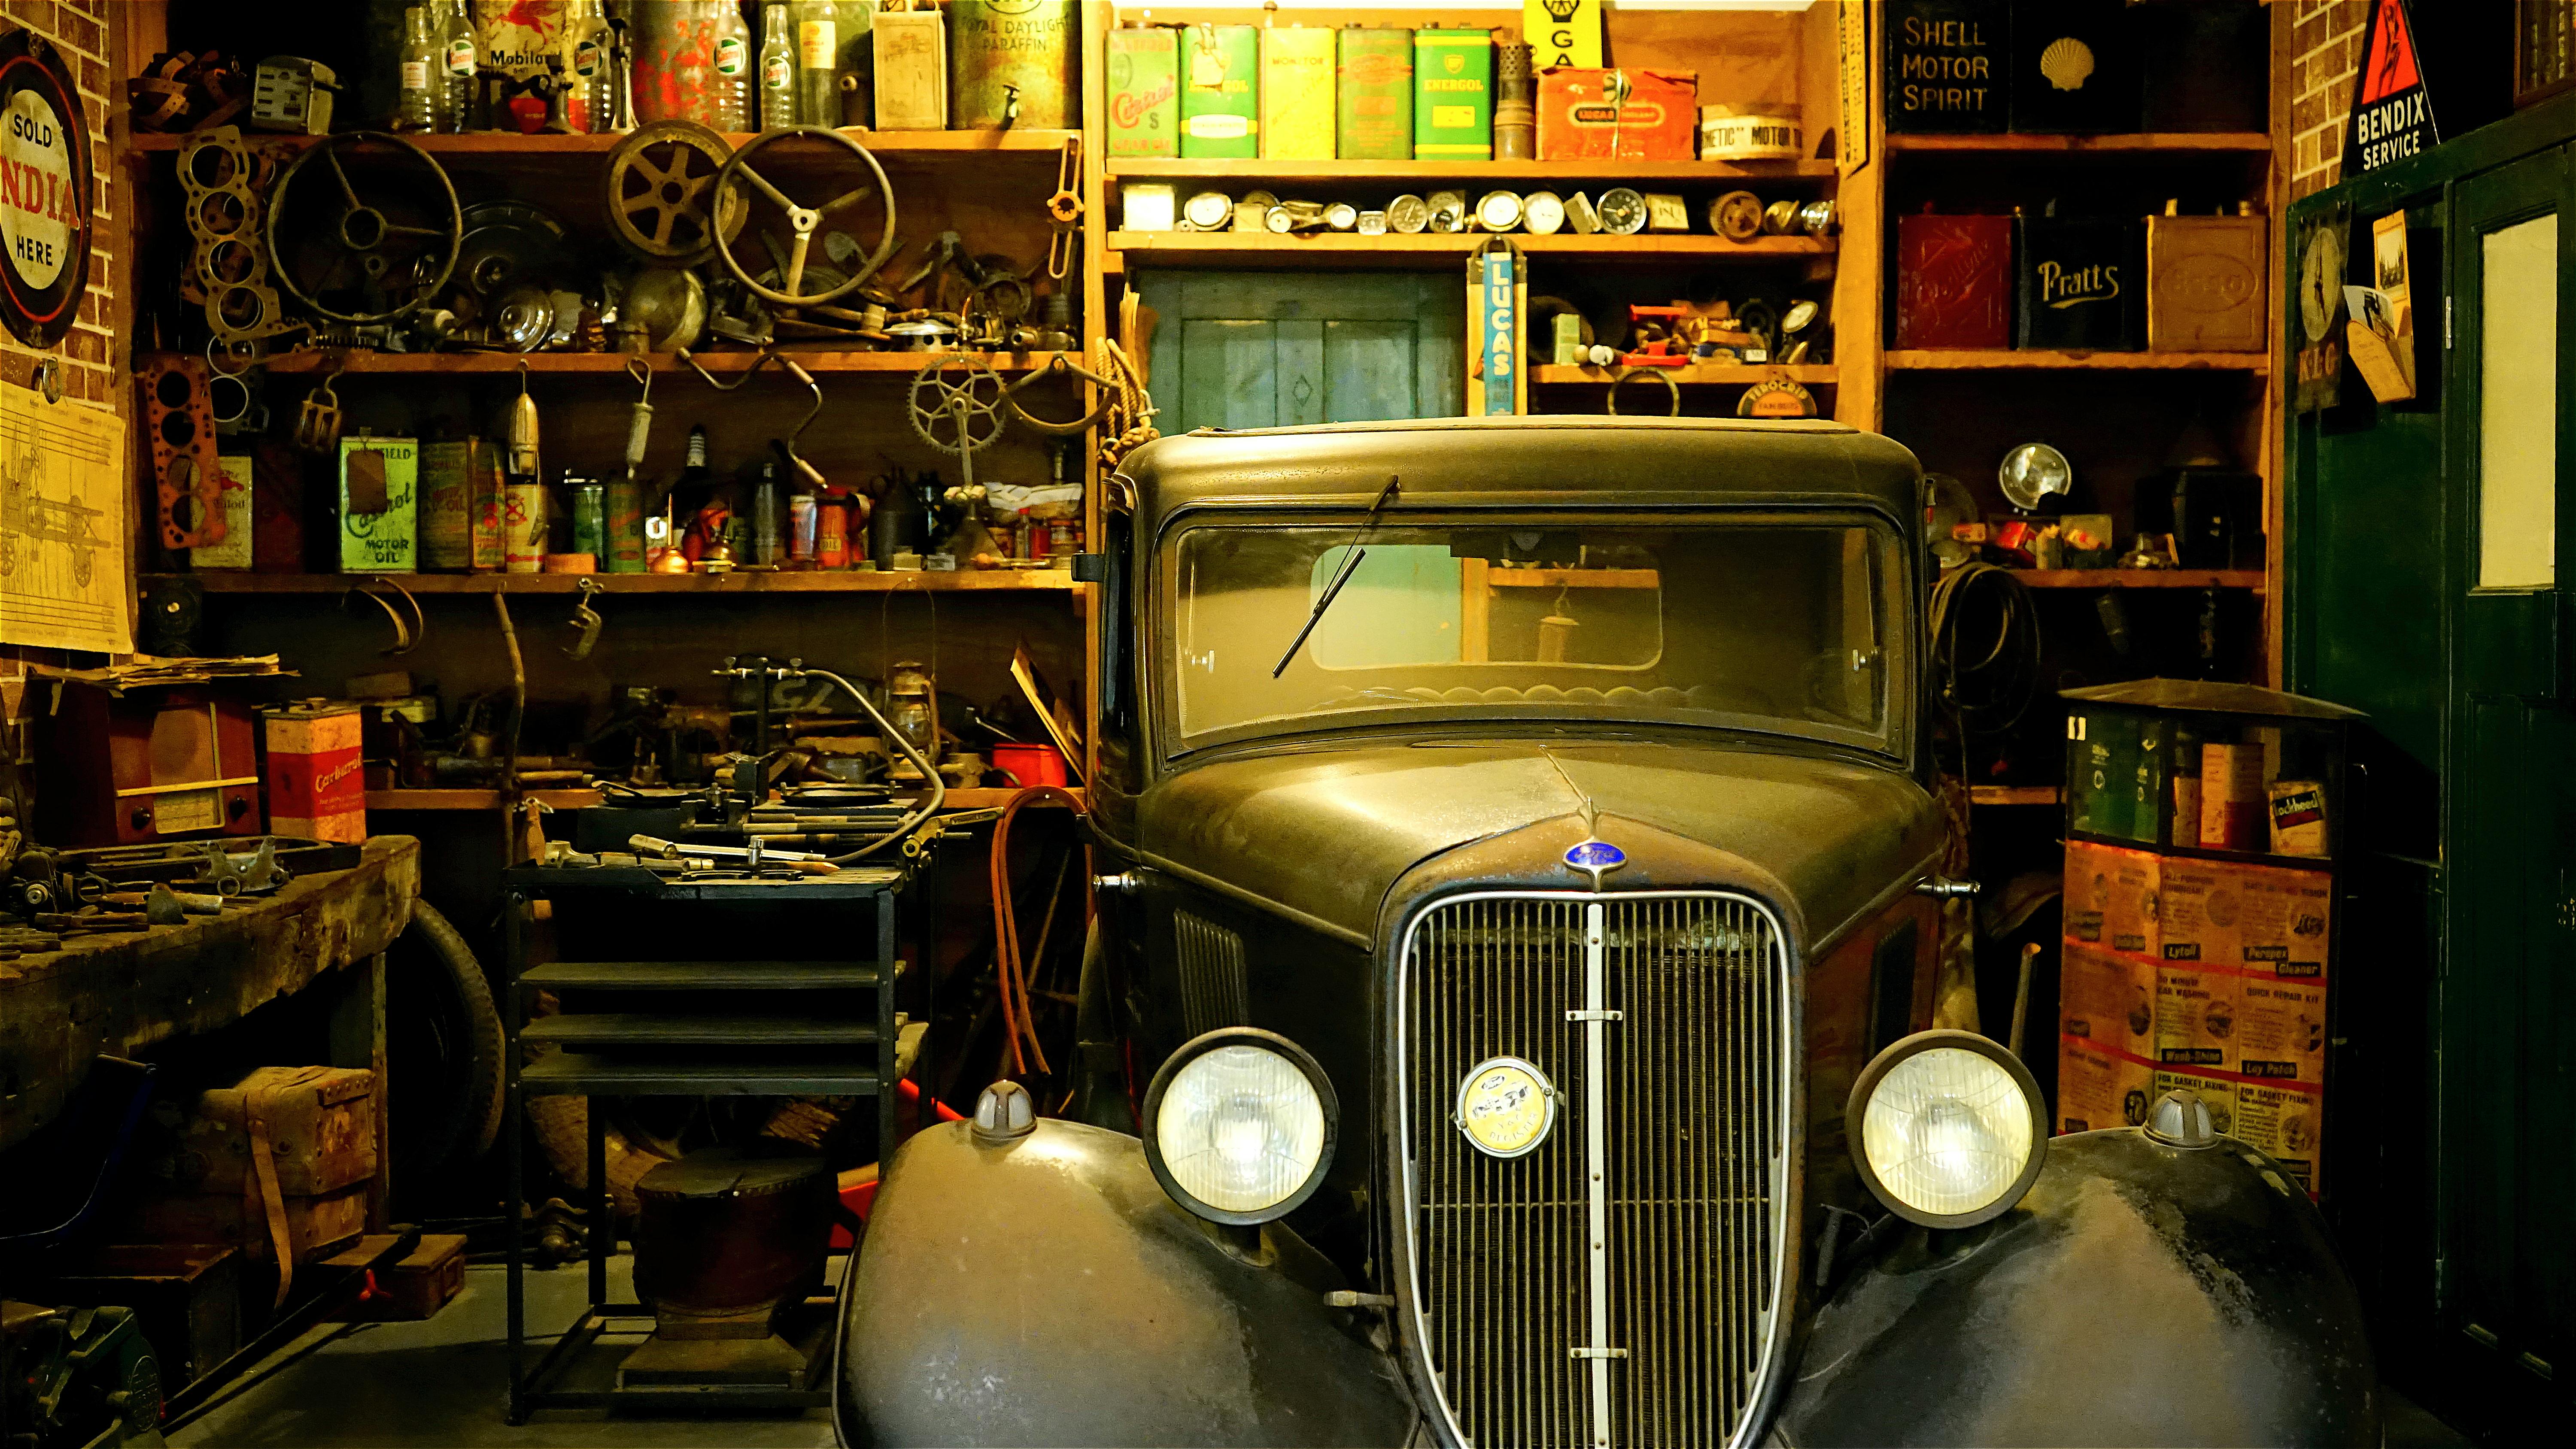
{"type": "Point", "coordinates": [2068, 63]}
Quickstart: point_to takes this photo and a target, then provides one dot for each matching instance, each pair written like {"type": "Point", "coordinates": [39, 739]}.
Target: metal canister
{"type": "Point", "coordinates": [804, 519]}
{"type": "Point", "coordinates": [995, 46]}
{"type": "Point", "coordinates": [831, 533]}
{"type": "Point", "coordinates": [523, 527]}
{"type": "Point", "coordinates": [1515, 104]}
{"type": "Point", "coordinates": [589, 517]}
{"type": "Point", "coordinates": [625, 553]}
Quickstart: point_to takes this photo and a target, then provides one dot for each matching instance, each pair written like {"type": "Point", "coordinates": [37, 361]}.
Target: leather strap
{"type": "Point", "coordinates": [260, 1188]}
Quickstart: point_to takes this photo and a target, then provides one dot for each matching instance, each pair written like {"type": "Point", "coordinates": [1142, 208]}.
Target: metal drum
{"type": "Point", "coordinates": [994, 45]}
{"type": "Point", "coordinates": [726, 1233]}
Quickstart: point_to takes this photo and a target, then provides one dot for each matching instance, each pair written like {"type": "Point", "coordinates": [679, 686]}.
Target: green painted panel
{"type": "Point", "coordinates": [1273, 349]}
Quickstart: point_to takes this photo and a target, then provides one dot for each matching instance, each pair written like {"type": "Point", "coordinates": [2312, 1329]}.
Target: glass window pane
{"type": "Point", "coordinates": [2518, 408]}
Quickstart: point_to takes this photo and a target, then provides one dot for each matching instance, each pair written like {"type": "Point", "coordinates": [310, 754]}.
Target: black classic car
{"type": "Point", "coordinates": [1517, 874]}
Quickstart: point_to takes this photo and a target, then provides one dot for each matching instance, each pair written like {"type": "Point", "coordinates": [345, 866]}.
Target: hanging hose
{"type": "Point", "coordinates": [938, 788]}
{"type": "Point", "coordinates": [1018, 1020]}
{"type": "Point", "coordinates": [1987, 688]}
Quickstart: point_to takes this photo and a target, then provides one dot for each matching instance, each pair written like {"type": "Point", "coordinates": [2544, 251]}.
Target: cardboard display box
{"type": "Point", "coordinates": [1579, 121]}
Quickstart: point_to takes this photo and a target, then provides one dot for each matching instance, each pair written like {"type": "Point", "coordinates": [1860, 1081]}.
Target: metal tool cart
{"type": "Point", "coordinates": [698, 1002]}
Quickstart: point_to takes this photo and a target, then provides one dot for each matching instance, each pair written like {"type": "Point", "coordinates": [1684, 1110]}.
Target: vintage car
{"type": "Point", "coordinates": [1518, 877]}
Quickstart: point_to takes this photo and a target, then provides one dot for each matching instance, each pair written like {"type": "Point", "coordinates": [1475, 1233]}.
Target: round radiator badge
{"type": "Point", "coordinates": [1505, 1106]}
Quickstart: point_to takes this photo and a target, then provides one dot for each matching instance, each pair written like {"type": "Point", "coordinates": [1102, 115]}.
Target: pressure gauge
{"type": "Point", "coordinates": [2034, 472]}
{"type": "Point", "coordinates": [1622, 210]}
{"type": "Point", "coordinates": [1408, 214]}
{"type": "Point", "coordinates": [1209, 211]}
{"type": "Point", "coordinates": [1498, 211]}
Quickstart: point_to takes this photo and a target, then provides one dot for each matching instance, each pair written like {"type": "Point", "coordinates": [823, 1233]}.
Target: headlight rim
{"type": "Point", "coordinates": [1270, 1041]}
{"type": "Point", "coordinates": [1905, 1048]}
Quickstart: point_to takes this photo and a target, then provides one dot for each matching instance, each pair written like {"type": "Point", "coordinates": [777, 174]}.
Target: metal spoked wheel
{"type": "Point", "coordinates": [803, 221]}
{"type": "Point", "coordinates": [365, 232]}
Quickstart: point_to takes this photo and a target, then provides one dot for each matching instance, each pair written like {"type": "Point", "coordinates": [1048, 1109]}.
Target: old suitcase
{"type": "Point", "coordinates": [2076, 284]}
{"type": "Point", "coordinates": [314, 1225]}
{"type": "Point", "coordinates": [321, 1124]}
{"type": "Point", "coordinates": [2205, 284]}
{"type": "Point", "coordinates": [1953, 281]}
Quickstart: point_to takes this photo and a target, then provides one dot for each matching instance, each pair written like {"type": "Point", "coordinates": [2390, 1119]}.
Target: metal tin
{"type": "Point", "coordinates": [1543, 212]}
{"type": "Point", "coordinates": [804, 521]}
{"type": "Point", "coordinates": [1208, 211]}
{"type": "Point", "coordinates": [589, 518]}
{"type": "Point", "coordinates": [1622, 210]}
{"type": "Point", "coordinates": [1666, 212]}
{"type": "Point", "coordinates": [1147, 206]}
{"type": "Point", "coordinates": [832, 533]}
{"type": "Point", "coordinates": [995, 45]}
{"type": "Point", "coordinates": [1408, 214]}
{"type": "Point", "coordinates": [1498, 211]}
{"type": "Point", "coordinates": [625, 552]}
{"type": "Point", "coordinates": [523, 525]}
{"type": "Point", "coordinates": [1144, 91]}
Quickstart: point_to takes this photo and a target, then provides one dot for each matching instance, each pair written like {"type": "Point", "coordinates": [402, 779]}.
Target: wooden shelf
{"type": "Point", "coordinates": [2012, 794]}
{"type": "Point", "coordinates": [2141, 578]}
{"type": "Point", "coordinates": [2041, 359]}
{"type": "Point", "coordinates": [614, 363]}
{"type": "Point", "coordinates": [904, 582]}
{"type": "Point", "coordinates": [476, 799]}
{"type": "Point", "coordinates": [1573, 579]}
{"type": "Point", "coordinates": [2180, 142]}
{"type": "Point", "coordinates": [1719, 374]}
{"type": "Point", "coordinates": [1431, 174]}
{"type": "Point", "coordinates": [502, 143]}
{"type": "Point", "coordinates": [1218, 248]}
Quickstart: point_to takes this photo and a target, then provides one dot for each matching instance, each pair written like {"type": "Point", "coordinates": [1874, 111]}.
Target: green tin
{"type": "Point", "coordinates": [1144, 91]}
{"type": "Point", "coordinates": [1453, 95]}
{"type": "Point", "coordinates": [994, 45]}
{"type": "Point", "coordinates": [1221, 92]}
{"type": "Point", "coordinates": [1374, 86]}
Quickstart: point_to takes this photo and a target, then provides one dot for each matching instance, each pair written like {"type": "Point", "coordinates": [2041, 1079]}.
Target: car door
{"type": "Point", "coordinates": [2508, 1071]}
{"type": "Point", "coordinates": [1280, 349]}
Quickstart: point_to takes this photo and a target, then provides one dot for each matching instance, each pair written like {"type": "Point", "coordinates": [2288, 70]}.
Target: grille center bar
{"type": "Point", "coordinates": [1596, 1018]}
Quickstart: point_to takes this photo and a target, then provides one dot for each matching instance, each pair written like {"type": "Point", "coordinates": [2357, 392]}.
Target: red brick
{"type": "Point", "coordinates": [37, 15]}
{"type": "Point", "coordinates": [79, 32]}
{"type": "Point", "coordinates": [2307, 35]}
{"type": "Point", "coordinates": [93, 79]}
{"type": "Point", "coordinates": [87, 346]}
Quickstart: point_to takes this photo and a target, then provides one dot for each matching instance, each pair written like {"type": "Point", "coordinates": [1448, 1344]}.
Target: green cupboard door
{"type": "Point", "coordinates": [2508, 1088]}
{"type": "Point", "coordinates": [1282, 349]}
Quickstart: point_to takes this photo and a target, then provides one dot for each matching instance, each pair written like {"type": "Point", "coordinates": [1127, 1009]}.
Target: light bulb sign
{"type": "Point", "coordinates": [1562, 32]}
{"type": "Point", "coordinates": [44, 191]}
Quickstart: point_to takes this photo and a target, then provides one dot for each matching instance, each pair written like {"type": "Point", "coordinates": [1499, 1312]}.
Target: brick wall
{"type": "Point", "coordinates": [2325, 54]}
{"type": "Point", "coordinates": [79, 27]}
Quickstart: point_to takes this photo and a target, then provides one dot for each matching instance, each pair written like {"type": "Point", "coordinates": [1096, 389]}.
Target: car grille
{"type": "Point", "coordinates": [1691, 1105]}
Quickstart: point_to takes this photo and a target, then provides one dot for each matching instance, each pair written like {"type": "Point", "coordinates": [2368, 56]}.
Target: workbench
{"type": "Point", "coordinates": [126, 993]}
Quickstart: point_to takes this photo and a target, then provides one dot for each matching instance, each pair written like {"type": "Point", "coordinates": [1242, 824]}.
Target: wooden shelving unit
{"type": "Point", "coordinates": [962, 581]}
{"type": "Point", "coordinates": [969, 799]}
{"type": "Point", "coordinates": [358, 362]}
{"type": "Point", "coordinates": [2013, 795]}
{"type": "Point", "coordinates": [1220, 248]}
{"type": "Point", "coordinates": [2141, 578]}
{"type": "Point", "coordinates": [2043, 359]}
{"type": "Point", "coordinates": [941, 144]}
{"type": "Point", "coordinates": [2132, 143]}
{"type": "Point", "coordinates": [1717, 374]}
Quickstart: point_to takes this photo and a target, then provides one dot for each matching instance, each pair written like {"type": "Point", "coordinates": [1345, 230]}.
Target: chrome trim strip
{"type": "Point", "coordinates": [1777, 1320]}
{"type": "Point", "coordinates": [1596, 1161]}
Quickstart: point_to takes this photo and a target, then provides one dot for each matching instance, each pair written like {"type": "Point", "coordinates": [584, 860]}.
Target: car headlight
{"type": "Point", "coordinates": [1947, 1128]}
{"type": "Point", "coordinates": [1239, 1125]}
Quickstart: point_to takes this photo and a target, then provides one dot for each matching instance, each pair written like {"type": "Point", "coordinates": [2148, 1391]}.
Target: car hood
{"type": "Point", "coordinates": [1327, 834]}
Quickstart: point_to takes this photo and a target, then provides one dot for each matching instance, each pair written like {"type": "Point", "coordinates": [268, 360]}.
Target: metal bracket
{"type": "Point", "coordinates": [1594, 1016]}
{"type": "Point", "coordinates": [1944, 888]}
{"type": "Point", "coordinates": [1599, 1353]}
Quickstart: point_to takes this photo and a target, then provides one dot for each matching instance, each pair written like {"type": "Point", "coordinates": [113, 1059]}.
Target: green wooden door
{"type": "Point", "coordinates": [2508, 1073]}
{"type": "Point", "coordinates": [1278, 349]}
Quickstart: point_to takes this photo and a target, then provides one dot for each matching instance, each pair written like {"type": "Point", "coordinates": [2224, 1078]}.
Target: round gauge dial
{"type": "Point", "coordinates": [1408, 213]}
{"type": "Point", "coordinates": [1210, 211]}
{"type": "Point", "coordinates": [1498, 211]}
{"type": "Point", "coordinates": [1622, 210]}
{"type": "Point", "coordinates": [1543, 212]}
{"type": "Point", "coordinates": [2321, 269]}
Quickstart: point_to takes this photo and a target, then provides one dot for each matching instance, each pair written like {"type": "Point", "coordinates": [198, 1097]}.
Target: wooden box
{"type": "Point", "coordinates": [912, 70]}
{"type": "Point", "coordinates": [186, 1297]}
{"type": "Point", "coordinates": [421, 1284]}
{"type": "Point", "coordinates": [2077, 284]}
{"type": "Point", "coordinates": [314, 1225]}
{"type": "Point", "coordinates": [1953, 281]}
{"type": "Point", "coordinates": [1659, 120]}
{"type": "Point", "coordinates": [2206, 284]}
{"type": "Point", "coordinates": [321, 1132]}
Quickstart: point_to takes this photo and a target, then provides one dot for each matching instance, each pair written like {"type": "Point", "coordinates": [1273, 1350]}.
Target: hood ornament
{"type": "Point", "coordinates": [1596, 857]}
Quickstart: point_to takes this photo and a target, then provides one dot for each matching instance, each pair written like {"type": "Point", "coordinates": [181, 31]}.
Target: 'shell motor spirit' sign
{"type": "Point", "coordinates": [44, 191]}
{"type": "Point", "coordinates": [2392, 119]}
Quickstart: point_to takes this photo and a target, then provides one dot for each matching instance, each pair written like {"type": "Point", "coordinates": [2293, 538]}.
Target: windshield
{"type": "Point", "coordinates": [1763, 622]}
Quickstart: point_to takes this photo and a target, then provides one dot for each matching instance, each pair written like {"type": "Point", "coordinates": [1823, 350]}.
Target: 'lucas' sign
{"type": "Point", "coordinates": [44, 191]}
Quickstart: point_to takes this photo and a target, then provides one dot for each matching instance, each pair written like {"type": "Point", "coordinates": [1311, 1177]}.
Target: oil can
{"type": "Point", "coordinates": [994, 45]}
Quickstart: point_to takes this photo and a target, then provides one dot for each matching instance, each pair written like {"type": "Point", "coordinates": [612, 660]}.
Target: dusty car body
{"type": "Point", "coordinates": [1676, 869]}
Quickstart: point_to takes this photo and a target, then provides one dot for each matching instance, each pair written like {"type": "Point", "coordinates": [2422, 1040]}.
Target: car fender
{"type": "Point", "coordinates": [1047, 1291]}
{"type": "Point", "coordinates": [2140, 1294]}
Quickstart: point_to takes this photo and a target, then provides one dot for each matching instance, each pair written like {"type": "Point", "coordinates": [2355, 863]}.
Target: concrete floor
{"type": "Point", "coordinates": [441, 1382]}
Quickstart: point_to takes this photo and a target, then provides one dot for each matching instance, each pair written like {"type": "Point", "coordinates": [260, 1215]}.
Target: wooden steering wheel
{"type": "Point", "coordinates": [803, 221]}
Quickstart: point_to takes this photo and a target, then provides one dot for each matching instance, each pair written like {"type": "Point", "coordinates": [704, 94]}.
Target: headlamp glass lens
{"type": "Point", "coordinates": [1948, 1131]}
{"type": "Point", "coordinates": [1240, 1129]}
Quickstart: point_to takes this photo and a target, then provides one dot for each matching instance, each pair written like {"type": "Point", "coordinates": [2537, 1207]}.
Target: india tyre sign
{"type": "Point", "coordinates": [44, 191]}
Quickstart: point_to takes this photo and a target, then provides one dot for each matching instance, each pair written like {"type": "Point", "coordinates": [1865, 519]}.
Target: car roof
{"type": "Point", "coordinates": [1559, 461]}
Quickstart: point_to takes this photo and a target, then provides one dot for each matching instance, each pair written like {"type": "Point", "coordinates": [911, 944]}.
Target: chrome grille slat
{"type": "Point", "coordinates": [1694, 1094]}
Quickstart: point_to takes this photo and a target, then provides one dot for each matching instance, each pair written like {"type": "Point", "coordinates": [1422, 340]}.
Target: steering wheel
{"type": "Point", "coordinates": [363, 231]}
{"type": "Point", "coordinates": [802, 221]}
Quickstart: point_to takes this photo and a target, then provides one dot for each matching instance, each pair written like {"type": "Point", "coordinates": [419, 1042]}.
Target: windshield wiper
{"type": "Point", "coordinates": [1333, 590]}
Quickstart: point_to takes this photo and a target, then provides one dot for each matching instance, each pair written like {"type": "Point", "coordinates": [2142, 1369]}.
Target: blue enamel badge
{"type": "Point", "coordinates": [1594, 857]}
